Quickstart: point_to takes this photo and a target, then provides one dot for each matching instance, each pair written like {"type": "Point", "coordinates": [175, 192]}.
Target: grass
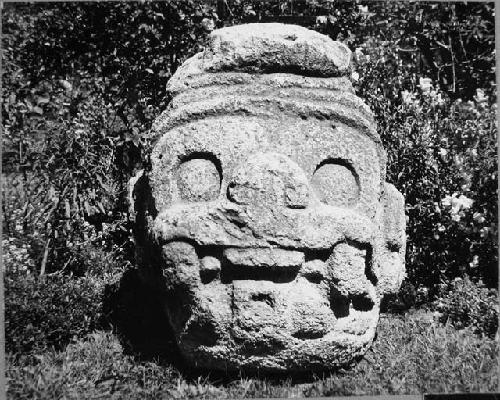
{"type": "Point", "coordinates": [411, 355]}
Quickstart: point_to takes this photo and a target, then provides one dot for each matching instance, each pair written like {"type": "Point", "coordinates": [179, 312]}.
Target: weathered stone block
{"type": "Point", "coordinates": [265, 217]}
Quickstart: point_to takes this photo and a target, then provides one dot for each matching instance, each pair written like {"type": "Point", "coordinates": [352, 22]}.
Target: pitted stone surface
{"type": "Point", "coordinates": [266, 48]}
{"type": "Point", "coordinates": [266, 196]}
{"type": "Point", "coordinates": [269, 178]}
{"type": "Point", "coordinates": [198, 180]}
{"type": "Point", "coordinates": [336, 184]}
{"type": "Point", "coordinates": [264, 257]}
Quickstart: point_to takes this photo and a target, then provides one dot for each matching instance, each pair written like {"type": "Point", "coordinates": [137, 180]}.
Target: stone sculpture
{"type": "Point", "coordinates": [265, 220]}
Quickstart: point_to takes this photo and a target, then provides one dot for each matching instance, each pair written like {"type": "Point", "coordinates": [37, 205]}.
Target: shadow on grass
{"type": "Point", "coordinates": [133, 310]}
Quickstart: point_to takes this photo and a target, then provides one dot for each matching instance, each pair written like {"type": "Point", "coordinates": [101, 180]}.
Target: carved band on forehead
{"type": "Point", "coordinates": [274, 80]}
{"type": "Point", "coordinates": [344, 108]}
{"type": "Point", "coordinates": [266, 48]}
{"type": "Point", "coordinates": [264, 91]}
{"type": "Point", "coordinates": [267, 70]}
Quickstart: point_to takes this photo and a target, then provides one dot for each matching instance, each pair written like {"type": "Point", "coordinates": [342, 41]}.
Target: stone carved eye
{"type": "Point", "coordinates": [199, 178]}
{"type": "Point", "coordinates": [336, 183]}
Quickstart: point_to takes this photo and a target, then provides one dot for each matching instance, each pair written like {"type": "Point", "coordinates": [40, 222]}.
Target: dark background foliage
{"type": "Point", "coordinates": [83, 82]}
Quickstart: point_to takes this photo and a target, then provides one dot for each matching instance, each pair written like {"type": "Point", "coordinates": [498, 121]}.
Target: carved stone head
{"type": "Point", "coordinates": [265, 218]}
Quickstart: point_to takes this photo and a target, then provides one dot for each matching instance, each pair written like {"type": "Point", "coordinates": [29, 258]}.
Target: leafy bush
{"type": "Point", "coordinates": [470, 304]}
{"type": "Point", "coordinates": [16, 257]}
{"type": "Point", "coordinates": [440, 142]}
{"type": "Point", "coordinates": [443, 159]}
{"type": "Point", "coordinates": [49, 312]}
{"type": "Point", "coordinates": [72, 187]}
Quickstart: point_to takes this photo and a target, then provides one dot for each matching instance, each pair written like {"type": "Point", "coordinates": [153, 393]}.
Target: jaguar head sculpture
{"type": "Point", "coordinates": [265, 217]}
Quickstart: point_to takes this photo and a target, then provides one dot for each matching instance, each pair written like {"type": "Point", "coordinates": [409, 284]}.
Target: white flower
{"type": "Point", "coordinates": [465, 202]}
{"type": "Point", "coordinates": [249, 10]}
{"type": "Point", "coordinates": [435, 95]}
{"type": "Point", "coordinates": [446, 201]}
{"type": "Point", "coordinates": [483, 232]}
{"type": "Point", "coordinates": [443, 152]}
{"type": "Point", "coordinates": [455, 217]}
{"type": "Point", "coordinates": [480, 97]}
{"type": "Point", "coordinates": [425, 84]}
{"type": "Point", "coordinates": [475, 261]}
{"type": "Point", "coordinates": [208, 24]}
{"type": "Point", "coordinates": [407, 97]}
{"type": "Point", "coordinates": [457, 203]}
{"type": "Point", "coordinates": [360, 57]}
{"type": "Point", "coordinates": [423, 290]}
{"type": "Point", "coordinates": [439, 100]}
{"type": "Point", "coordinates": [321, 19]}
{"type": "Point", "coordinates": [478, 217]}
{"type": "Point", "coordinates": [437, 210]}
{"type": "Point", "coordinates": [355, 76]}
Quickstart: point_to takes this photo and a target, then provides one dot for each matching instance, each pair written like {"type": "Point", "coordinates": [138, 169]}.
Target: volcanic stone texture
{"type": "Point", "coordinates": [265, 217]}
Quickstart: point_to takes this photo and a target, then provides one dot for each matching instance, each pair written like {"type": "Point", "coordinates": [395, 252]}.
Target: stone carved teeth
{"type": "Point", "coordinates": [263, 264]}
{"type": "Point", "coordinates": [210, 267]}
{"type": "Point", "coordinates": [272, 264]}
{"type": "Point", "coordinates": [277, 265]}
{"type": "Point", "coordinates": [266, 257]}
{"type": "Point", "coordinates": [314, 270]}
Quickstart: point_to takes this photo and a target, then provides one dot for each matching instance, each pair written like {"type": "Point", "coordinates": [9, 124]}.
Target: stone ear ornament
{"type": "Point", "coordinates": [265, 217]}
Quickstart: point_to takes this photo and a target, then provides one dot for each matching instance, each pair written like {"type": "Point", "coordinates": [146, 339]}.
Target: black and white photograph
{"type": "Point", "coordinates": [249, 199]}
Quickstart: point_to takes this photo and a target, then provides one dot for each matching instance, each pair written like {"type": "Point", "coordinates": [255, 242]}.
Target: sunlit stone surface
{"type": "Point", "coordinates": [265, 217]}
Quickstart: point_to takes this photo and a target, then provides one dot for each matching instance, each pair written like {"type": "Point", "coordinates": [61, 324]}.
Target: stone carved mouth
{"type": "Point", "coordinates": [282, 266]}
{"type": "Point", "coordinates": [268, 297]}
{"type": "Point", "coordinates": [275, 265]}
{"type": "Point", "coordinates": [257, 293]}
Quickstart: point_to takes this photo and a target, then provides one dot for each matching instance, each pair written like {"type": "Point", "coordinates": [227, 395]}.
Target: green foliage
{"type": "Point", "coordinates": [16, 257]}
{"type": "Point", "coordinates": [49, 311]}
{"type": "Point", "coordinates": [72, 188]}
{"type": "Point", "coordinates": [439, 145]}
{"type": "Point", "coordinates": [440, 156]}
{"type": "Point", "coordinates": [466, 303]}
{"type": "Point", "coordinates": [73, 125]}
{"type": "Point", "coordinates": [410, 356]}
{"type": "Point", "coordinates": [46, 313]}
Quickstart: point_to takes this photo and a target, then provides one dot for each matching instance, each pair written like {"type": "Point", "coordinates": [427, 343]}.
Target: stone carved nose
{"type": "Point", "coordinates": [269, 179]}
